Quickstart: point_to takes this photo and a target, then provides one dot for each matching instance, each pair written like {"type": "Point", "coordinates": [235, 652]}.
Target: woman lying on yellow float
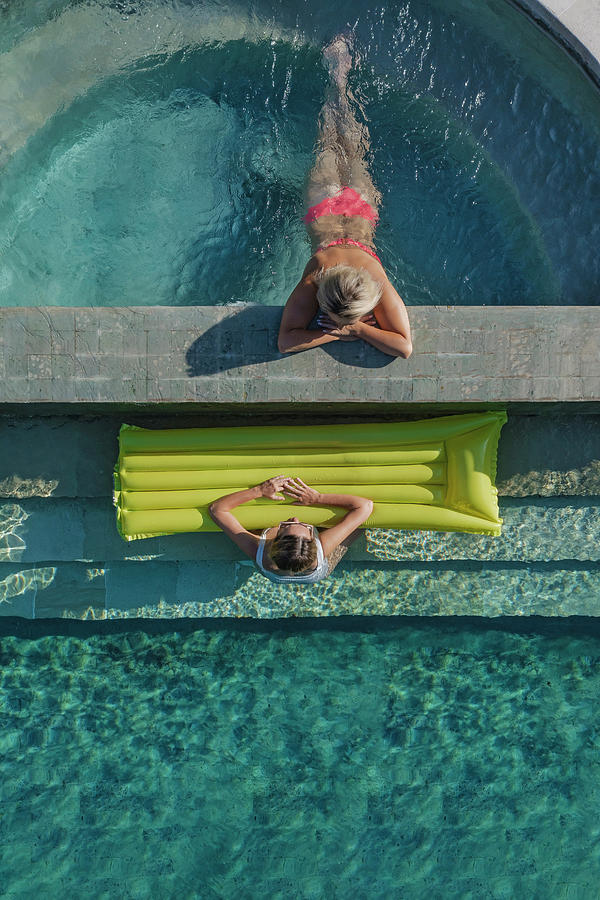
{"type": "Point", "coordinates": [292, 551]}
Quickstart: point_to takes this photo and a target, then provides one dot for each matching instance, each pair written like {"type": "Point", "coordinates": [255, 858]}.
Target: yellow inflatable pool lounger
{"type": "Point", "coordinates": [434, 474]}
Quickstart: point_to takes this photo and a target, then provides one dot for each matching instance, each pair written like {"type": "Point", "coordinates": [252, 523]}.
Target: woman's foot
{"type": "Point", "coordinates": [338, 58]}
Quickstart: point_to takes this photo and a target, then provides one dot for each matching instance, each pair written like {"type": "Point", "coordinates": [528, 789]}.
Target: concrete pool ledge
{"type": "Point", "coordinates": [573, 23]}
{"type": "Point", "coordinates": [181, 356]}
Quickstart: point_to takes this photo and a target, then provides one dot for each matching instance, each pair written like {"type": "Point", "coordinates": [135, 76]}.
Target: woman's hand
{"type": "Point", "coordinates": [303, 494]}
{"type": "Point", "coordinates": [341, 332]}
{"type": "Point", "coordinates": [369, 319]}
{"type": "Point", "coordinates": [351, 332]}
{"type": "Point", "coordinates": [273, 486]}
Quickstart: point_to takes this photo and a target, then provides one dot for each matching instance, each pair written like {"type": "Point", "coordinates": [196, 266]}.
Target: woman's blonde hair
{"type": "Point", "coordinates": [346, 294]}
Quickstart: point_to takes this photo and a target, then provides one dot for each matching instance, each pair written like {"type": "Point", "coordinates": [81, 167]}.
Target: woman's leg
{"type": "Point", "coordinates": [343, 142]}
{"type": "Point", "coordinates": [357, 143]}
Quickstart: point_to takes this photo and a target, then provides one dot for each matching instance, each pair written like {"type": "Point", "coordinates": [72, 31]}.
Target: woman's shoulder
{"type": "Point", "coordinates": [314, 265]}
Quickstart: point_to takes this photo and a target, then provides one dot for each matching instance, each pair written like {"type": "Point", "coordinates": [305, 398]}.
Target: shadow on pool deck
{"type": "Point", "coordinates": [241, 340]}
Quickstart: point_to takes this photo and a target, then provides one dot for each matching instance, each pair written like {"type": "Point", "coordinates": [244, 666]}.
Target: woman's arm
{"type": "Point", "coordinates": [359, 510]}
{"type": "Point", "coordinates": [389, 342]}
{"type": "Point", "coordinates": [394, 335]}
{"type": "Point", "coordinates": [298, 313]}
{"type": "Point", "coordinates": [220, 512]}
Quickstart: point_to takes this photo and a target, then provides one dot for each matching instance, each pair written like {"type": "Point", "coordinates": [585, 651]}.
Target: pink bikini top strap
{"type": "Point", "coordinates": [353, 243]}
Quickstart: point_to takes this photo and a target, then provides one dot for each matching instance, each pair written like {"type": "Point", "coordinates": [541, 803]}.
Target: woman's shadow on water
{"type": "Point", "coordinates": [249, 336]}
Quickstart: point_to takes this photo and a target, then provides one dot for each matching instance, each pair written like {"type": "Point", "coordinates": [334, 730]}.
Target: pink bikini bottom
{"type": "Point", "coordinates": [347, 202]}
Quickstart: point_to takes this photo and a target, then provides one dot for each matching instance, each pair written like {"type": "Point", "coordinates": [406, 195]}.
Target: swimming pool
{"type": "Point", "coordinates": [369, 759]}
{"type": "Point", "coordinates": [160, 153]}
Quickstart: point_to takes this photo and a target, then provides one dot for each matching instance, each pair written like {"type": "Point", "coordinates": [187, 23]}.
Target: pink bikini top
{"type": "Point", "coordinates": [353, 243]}
{"type": "Point", "coordinates": [347, 202]}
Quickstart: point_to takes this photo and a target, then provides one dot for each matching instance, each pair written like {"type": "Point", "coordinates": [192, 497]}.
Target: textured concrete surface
{"type": "Point", "coordinates": [228, 355]}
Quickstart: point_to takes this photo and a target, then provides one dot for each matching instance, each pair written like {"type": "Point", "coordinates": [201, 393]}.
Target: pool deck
{"type": "Point", "coordinates": [180, 357]}
{"type": "Point", "coordinates": [574, 23]}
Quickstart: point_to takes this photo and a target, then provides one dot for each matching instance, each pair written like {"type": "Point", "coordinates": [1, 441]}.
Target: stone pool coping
{"type": "Point", "coordinates": [575, 24]}
{"type": "Point", "coordinates": [184, 357]}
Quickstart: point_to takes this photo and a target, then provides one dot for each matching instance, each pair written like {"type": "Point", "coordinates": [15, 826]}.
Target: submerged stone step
{"type": "Point", "coordinates": [219, 589]}
{"type": "Point", "coordinates": [36, 530]}
{"type": "Point", "coordinates": [542, 530]}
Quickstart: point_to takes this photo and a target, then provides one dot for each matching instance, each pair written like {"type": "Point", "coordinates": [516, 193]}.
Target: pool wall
{"type": "Point", "coordinates": [228, 355]}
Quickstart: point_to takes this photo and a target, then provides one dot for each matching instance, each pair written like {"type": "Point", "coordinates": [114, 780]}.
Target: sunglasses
{"type": "Point", "coordinates": [311, 529]}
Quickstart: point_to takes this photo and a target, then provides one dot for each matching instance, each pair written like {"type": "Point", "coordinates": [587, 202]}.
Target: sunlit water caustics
{"type": "Point", "coordinates": [156, 153]}
{"type": "Point", "coordinates": [443, 761]}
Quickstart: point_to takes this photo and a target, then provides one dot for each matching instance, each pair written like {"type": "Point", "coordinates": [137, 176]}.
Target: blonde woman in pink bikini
{"type": "Point", "coordinates": [344, 281]}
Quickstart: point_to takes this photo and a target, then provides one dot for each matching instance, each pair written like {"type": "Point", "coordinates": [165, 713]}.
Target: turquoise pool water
{"type": "Point", "coordinates": [378, 759]}
{"type": "Point", "coordinates": [156, 154]}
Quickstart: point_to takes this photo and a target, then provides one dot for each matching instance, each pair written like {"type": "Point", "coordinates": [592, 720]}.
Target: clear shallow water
{"type": "Point", "coordinates": [146, 587]}
{"type": "Point", "coordinates": [302, 763]}
{"type": "Point", "coordinates": [161, 153]}
{"type": "Point", "coordinates": [62, 557]}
